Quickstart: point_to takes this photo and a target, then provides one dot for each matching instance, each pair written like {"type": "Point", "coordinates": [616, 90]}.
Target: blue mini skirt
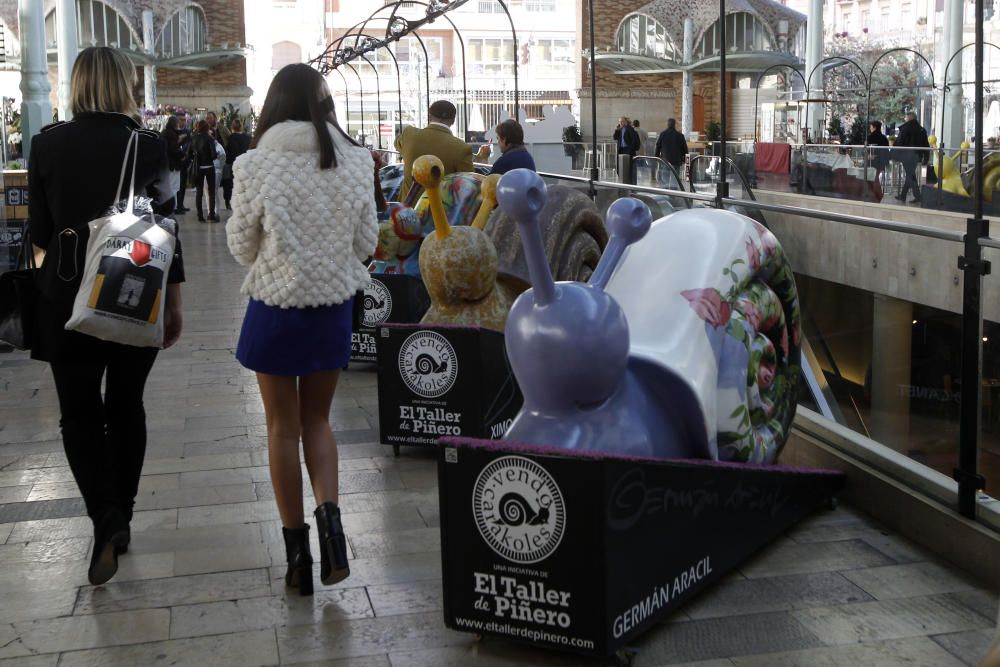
{"type": "Point", "coordinates": [295, 341]}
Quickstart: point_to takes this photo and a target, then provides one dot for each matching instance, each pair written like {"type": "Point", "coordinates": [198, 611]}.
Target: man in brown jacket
{"type": "Point", "coordinates": [435, 139]}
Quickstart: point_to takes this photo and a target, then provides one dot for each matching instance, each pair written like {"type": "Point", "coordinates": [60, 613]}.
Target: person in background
{"type": "Point", "coordinates": [880, 156]}
{"type": "Point", "coordinates": [296, 334]}
{"type": "Point", "coordinates": [202, 151]}
{"type": "Point", "coordinates": [175, 154]}
{"type": "Point", "coordinates": [236, 146]}
{"type": "Point", "coordinates": [626, 138]}
{"type": "Point", "coordinates": [219, 163]}
{"type": "Point", "coordinates": [184, 132]}
{"type": "Point", "coordinates": [70, 183]}
{"type": "Point", "coordinates": [435, 139]}
{"type": "Point", "coordinates": [911, 135]}
{"type": "Point", "coordinates": [671, 146]}
{"type": "Point", "coordinates": [642, 143]}
{"type": "Point", "coordinates": [514, 154]}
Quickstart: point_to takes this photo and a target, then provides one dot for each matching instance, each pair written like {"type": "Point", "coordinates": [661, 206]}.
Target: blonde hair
{"type": "Point", "coordinates": [102, 80]}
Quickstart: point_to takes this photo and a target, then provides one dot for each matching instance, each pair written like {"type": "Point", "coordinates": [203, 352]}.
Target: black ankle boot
{"type": "Point", "coordinates": [332, 544]}
{"type": "Point", "coordinates": [300, 574]}
{"type": "Point", "coordinates": [111, 533]}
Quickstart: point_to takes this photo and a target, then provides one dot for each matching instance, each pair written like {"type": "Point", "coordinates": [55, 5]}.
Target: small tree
{"type": "Point", "coordinates": [856, 135]}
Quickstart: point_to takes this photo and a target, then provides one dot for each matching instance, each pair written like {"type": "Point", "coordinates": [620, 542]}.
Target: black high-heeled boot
{"type": "Point", "coordinates": [299, 574]}
{"type": "Point", "coordinates": [332, 544]}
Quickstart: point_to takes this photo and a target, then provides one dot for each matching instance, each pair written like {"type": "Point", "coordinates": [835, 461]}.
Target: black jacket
{"type": "Point", "coordinates": [632, 141]}
{"type": "Point", "coordinates": [175, 154]}
{"type": "Point", "coordinates": [671, 146]}
{"type": "Point", "coordinates": [236, 145]}
{"type": "Point", "coordinates": [911, 134]}
{"type": "Point", "coordinates": [202, 150]}
{"type": "Point", "coordinates": [72, 176]}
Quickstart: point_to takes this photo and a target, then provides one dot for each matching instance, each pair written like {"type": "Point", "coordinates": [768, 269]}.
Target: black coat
{"type": "Point", "coordinates": [879, 158]}
{"type": "Point", "coordinates": [632, 141]}
{"type": "Point", "coordinates": [175, 154]}
{"type": "Point", "coordinates": [202, 150]}
{"type": "Point", "coordinates": [72, 176]}
{"type": "Point", "coordinates": [671, 146]}
{"type": "Point", "coordinates": [912, 135]}
{"type": "Point", "coordinates": [236, 145]}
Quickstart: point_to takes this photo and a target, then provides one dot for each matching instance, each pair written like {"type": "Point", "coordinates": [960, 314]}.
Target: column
{"type": "Point", "coordinates": [149, 71]}
{"type": "Point", "coordinates": [814, 54]}
{"type": "Point", "coordinates": [953, 132]}
{"type": "Point", "coordinates": [68, 47]}
{"type": "Point", "coordinates": [687, 101]}
{"type": "Point", "coordinates": [891, 341]}
{"type": "Point", "coordinates": [36, 111]}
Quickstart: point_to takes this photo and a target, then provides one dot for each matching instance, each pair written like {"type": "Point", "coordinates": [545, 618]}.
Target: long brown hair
{"type": "Point", "coordinates": [295, 95]}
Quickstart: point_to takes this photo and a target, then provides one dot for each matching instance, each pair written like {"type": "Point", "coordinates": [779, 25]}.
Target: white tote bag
{"type": "Point", "coordinates": [121, 296]}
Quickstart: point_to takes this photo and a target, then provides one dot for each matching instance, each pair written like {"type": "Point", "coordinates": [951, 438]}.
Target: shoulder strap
{"type": "Point", "coordinates": [131, 147]}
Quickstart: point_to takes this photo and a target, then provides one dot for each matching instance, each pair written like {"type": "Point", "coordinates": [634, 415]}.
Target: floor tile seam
{"type": "Point", "coordinates": [944, 647]}
{"type": "Point", "coordinates": [987, 621]}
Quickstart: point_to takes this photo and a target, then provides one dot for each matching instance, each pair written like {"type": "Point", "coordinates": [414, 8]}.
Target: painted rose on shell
{"type": "Point", "coordinates": [709, 305]}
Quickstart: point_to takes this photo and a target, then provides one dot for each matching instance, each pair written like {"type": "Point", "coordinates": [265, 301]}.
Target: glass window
{"type": "Point", "coordinates": [285, 53]}
{"type": "Point", "coordinates": [183, 34]}
{"type": "Point", "coordinates": [642, 35]}
{"type": "Point", "coordinates": [744, 32]}
{"type": "Point", "coordinates": [96, 25]}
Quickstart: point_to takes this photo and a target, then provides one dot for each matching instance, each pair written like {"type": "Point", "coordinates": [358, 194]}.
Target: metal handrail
{"type": "Point", "coordinates": [736, 170]}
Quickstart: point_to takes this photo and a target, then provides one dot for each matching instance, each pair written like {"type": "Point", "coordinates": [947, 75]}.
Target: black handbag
{"type": "Point", "coordinates": [17, 299]}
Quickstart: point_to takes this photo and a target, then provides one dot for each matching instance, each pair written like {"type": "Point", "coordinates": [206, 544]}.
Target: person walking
{"type": "Point", "coordinates": [236, 145]}
{"type": "Point", "coordinates": [184, 132]}
{"type": "Point", "coordinates": [175, 154]}
{"type": "Point", "coordinates": [304, 221]}
{"type": "Point", "coordinates": [104, 435]}
{"type": "Point", "coordinates": [202, 151]}
{"type": "Point", "coordinates": [435, 139]}
{"type": "Point", "coordinates": [626, 138]}
{"type": "Point", "coordinates": [514, 154]}
{"type": "Point", "coordinates": [880, 155]}
{"type": "Point", "coordinates": [911, 135]}
{"type": "Point", "coordinates": [671, 147]}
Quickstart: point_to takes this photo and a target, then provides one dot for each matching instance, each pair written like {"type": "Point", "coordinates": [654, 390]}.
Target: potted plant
{"type": "Point", "coordinates": [836, 129]}
{"type": "Point", "coordinates": [713, 134]}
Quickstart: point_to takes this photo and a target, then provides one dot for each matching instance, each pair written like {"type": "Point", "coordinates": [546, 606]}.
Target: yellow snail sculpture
{"type": "Point", "coordinates": [458, 264]}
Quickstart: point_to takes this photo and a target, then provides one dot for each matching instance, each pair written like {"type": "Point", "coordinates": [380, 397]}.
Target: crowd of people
{"type": "Point", "coordinates": [203, 157]}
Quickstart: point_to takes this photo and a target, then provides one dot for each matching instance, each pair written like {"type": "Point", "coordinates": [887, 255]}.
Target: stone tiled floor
{"type": "Point", "coordinates": [202, 584]}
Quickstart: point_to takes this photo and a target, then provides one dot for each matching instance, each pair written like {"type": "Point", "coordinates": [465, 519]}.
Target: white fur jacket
{"type": "Point", "coordinates": [303, 231]}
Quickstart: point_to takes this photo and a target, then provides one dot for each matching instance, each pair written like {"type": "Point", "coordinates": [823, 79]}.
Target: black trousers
{"type": "Point", "coordinates": [227, 190]}
{"type": "Point", "coordinates": [910, 180]}
{"type": "Point", "coordinates": [184, 184]}
{"type": "Point", "coordinates": [207, 174]}
{"type": "Point", "coordinates": [105, 436]}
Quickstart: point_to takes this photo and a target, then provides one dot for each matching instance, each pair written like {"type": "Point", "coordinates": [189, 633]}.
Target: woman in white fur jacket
{"type": "Point", "coordinates": [304, 221]}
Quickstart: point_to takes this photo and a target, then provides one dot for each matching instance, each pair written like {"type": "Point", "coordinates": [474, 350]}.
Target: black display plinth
{"type": "Point", "coordinates": [584, 553]}
{"type": "Point", "coordinates": [387, 298]}
{"type": "Point", "coordinates": [442, 380]}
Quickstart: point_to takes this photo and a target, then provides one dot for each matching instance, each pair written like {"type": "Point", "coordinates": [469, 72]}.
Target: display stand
{"type": "Point", "coordinates": [443, 380]}
{"type": "Point", "coordinates": [584, 552]}
{"type": "Point", "coordinates": [386, 298]}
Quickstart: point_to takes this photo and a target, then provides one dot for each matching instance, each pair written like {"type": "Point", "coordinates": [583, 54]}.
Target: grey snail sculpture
{"type": "Point", "coordinates": [684, 344]}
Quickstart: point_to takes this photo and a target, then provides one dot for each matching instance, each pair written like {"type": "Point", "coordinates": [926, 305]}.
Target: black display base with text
{"type": "Point", "coordinates": [387, 298]}
{"type": "Point", "coordinates": [442, 380]}
{"type": "Point", "coordinates": [584, 552]}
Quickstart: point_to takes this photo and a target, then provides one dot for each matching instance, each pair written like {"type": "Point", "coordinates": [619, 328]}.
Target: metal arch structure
{"type": "Point", "coordinates": [871, 73]}
{"type": "Point", "coordinates": [372, 45]}
{"type": "Point", "coordinates": [398, 27]}
{"type": "Point", "coordinates": [347, 102]}
{"type": "Point", "coordinates": [756, 92]}
{"type": "Point", "coordinates": [461, 44]}
{"type": "Point", "coordinates": [361, 94]}
{"type": "Point", "coordinates": [378, 101]}
{"type": "Point", "coordinates": [843, 60]}
{"type": "Point", "coordinates": [945, 87]}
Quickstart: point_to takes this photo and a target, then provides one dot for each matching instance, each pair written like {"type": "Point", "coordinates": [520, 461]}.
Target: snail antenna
{"type": "Point", "coordinates": [489, 192]}
{"type": "Point", "coordinates": [521, 195]}
{"type": "Point", "coordinates": [428, 171]}
{"type": "Point", "coordinates": [628, 221]}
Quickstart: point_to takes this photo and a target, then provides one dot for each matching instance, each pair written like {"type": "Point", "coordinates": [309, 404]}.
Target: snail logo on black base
{"type": "Point", "coordinates": [519, 509]}
{"type": "Point", "coordinates": [428, 364]}
{"type": "Point", "coordinates": [377, 304]}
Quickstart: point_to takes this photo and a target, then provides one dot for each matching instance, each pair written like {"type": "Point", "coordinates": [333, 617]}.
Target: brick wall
{"type": "Point", "coordinates": [225, 24]}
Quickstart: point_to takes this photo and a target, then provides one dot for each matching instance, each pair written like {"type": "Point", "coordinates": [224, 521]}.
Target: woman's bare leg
{"type": "Point", "coordinates": [315, 396]}
{"type": "Point", "coordinates": [281, 409]}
